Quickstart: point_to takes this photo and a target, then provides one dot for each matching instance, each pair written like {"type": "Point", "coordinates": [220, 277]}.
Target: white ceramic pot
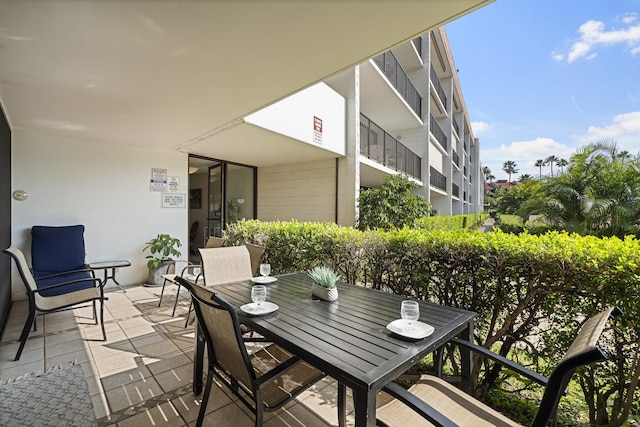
{"type": "Point", "coordinates": [324, 293]}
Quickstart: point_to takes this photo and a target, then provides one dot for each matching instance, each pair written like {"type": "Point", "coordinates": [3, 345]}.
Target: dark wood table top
{"type": "Point", "coordinates": [347, 338]}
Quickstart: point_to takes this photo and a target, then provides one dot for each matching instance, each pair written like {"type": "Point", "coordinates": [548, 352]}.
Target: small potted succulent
{"type": "Point", "coordinates": [324, 283]}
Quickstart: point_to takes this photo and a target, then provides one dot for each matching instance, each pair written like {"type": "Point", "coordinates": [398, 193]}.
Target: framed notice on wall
{"type": "Point", "coordinates": [174, 200]}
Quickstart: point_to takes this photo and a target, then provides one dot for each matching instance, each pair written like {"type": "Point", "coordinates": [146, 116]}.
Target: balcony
{"type": "Point", "coordinates": [438, 87]}
{"type": "Point", "coordinates": [456, 126]}
{"type": "Point", "coordinates": [438, 133]}
{"type": "Point", "coordinates": [455, 190]}
{"type": "Point", "coordinates": [437, 179]}
{"type": "Point", "coordinates": [392, 69]}
{"type": "Point", "coordinates": [455, 158]}
{"type": "Point", "coordinates": [379, 146]}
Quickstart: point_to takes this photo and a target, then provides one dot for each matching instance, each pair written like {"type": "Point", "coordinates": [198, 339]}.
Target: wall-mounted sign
{"type": "Point", "coordinates": [317, 130]}
{"type": "Point", "coordinates": [158, 180]}
{"type": "Point", "coordinates": [174, 200]}
{"type": "Point", "coordinates": [173, 184]}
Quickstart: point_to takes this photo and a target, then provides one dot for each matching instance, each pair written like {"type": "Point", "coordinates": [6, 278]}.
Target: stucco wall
{"type": "Point", "coordinates": [304, 191]}
{"type": "Point", "coordinates": [103, 186]}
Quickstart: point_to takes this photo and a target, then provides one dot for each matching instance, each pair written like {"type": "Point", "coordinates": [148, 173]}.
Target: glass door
{"type": "Point", "coordinates": [215, 217]}
{"type": "Point", "coordinates": [230, 195]}
{"type": "Point", "coordinates": [239, 193]}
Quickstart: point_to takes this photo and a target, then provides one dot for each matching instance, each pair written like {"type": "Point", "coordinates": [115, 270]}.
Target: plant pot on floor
{"type": "Point", "coordinates": [155, 273]}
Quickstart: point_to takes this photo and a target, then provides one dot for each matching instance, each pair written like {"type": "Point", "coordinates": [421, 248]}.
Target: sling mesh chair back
{"type": "Point", "coordinates": [58, 255]}
{"type": "Point", "coordinates": [263, 381]}
{"type": "Point", "coordinates": [39, 302]}
{"type": "Point", "coordinates": [433, 401]}
{"type": "Point", "coordinates": [224, 265]}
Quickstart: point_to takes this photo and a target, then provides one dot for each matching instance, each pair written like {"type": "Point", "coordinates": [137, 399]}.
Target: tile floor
{"type": "Point", "coordinates": [142, 374]}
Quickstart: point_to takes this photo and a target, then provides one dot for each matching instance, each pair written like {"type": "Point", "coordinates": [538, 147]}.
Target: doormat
{"type": "Point", "coordinates": [57, 397]}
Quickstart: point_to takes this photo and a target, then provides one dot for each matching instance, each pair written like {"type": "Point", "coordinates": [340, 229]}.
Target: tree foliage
{"type": "Point", "coordinates": [391, 205]}
{"type": "Point", "coordinates": [599, 194]}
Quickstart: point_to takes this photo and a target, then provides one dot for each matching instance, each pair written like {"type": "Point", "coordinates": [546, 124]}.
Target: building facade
{"type": "Point", "coordinates": [401, 112]}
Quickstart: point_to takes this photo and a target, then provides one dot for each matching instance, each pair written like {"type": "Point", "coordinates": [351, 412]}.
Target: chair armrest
{"type": "Point", "coordinates": [419, 406]}
{"type": "Point", "coordinates": [71, 282]}
{"type": "Point", "coordinates": [64, 273]}
{"type": "Point", "coordinates": [528, 373]}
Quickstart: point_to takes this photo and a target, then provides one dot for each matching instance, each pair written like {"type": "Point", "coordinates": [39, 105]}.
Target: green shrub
{"type": "Point", "coordinates": [522, 287]}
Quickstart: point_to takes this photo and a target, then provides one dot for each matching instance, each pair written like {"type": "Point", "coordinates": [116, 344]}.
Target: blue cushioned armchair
{"type": "Point", "coordinates": [58, 256]}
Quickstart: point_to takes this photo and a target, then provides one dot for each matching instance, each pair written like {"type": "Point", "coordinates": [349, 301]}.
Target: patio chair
{"type": "Point", "coordinates": [265, 380]}
{"type": "Point", "coordinates": [46, 304]}
{"type": "Point", "coordinates": [58, 255]}
{"type": "Point", "coordinates": [255, 254]}
{"type": "Point", "coordinates": [448, 405]}
{"type": "Point", "coordinates": [214, 242]}
{"type": "Point", "coordinates": [223, 265]}
{"type": "Point", "coordinates": [186, 268]}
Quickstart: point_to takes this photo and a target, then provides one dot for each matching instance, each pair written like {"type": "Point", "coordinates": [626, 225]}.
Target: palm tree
{"type": "Point", "coordinates": [562, 163]}
{"type": "Point", "coordinates": [510, 167]}
{"type": "Point", "coordinates": [526, 177]}
{"type": "Point", "coordinates": [551, 160]}
{"type": "Point", "coordinates": [539, 164]}
{"type": "Point", "coordinates": [488, 176]}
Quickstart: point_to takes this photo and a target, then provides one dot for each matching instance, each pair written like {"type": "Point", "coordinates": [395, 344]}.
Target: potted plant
{"type": "Point", "coordinates": [324, 283]}
{"type": "Point", "coordinates": [163, 248]}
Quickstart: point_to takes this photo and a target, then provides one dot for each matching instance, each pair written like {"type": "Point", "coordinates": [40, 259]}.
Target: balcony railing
{"type": "Point", "coordinates": [456, 126]}
{"type": "Point", "coordinates": [438, 86]}
{"type": "Point", "coordinates": [437, 179]}
{"type": "Point", "coordinates": [382, 148]}
{"type": "Point", "coordinates": [436, 130]}
{"type": "Point", "coordinates": [389, 65]}
{"type": "Point", "coordinates": [456, 158]}
{"type": "Point", "coordinates": [455, 190]}
{"type": "Point", "coordinates": [417, 42]}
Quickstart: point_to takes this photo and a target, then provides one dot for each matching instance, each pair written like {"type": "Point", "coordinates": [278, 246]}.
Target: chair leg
{"type": "Point", "coordinates": [25, 331]}
{"type": "Point", "coordinates": [259, 408]}
{"type": "Point", "coordinates": [175, 303]}
{"type": "Point", "coordinates": [104, 334]}
{"type": "Point", "coordinates": [186, 322]}
{"type": "Point", "coordinates": [95, 313]}
{"type": "Point", "coordinates": [162, 291]}
{"type": "Point", "coordinates": [342, 404]}
{"type": "Point", "coordinates": [205, 399]}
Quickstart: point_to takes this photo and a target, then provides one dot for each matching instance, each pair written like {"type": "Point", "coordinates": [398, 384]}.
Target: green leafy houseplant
{"type": "Point", "coordinates": [162, 249]}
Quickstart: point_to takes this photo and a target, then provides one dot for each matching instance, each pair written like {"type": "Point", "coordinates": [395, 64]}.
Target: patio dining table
{"type": "Point", "coordinates": [347, 339]}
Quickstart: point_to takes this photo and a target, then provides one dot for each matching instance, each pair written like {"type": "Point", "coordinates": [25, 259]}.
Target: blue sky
{"type": "Point", "coordinates": [545, 77]}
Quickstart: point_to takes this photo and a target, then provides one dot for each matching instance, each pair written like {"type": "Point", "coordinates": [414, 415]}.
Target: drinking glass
{"type": "Point", "coordinates": [258, 294]}
{"type": "Point", "coordinates": [265, 269]}
{"type": "Point", "coordinates": [410, 311]}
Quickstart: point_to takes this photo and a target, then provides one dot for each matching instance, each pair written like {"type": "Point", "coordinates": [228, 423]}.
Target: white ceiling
{"type": "Point", "coordinates": [172, 73]}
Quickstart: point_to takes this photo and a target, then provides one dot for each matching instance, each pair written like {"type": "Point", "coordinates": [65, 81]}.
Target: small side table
{"type": "Point", "coordinates": [106, 265]}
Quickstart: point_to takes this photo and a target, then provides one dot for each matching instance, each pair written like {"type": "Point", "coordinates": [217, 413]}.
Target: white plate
{"type": "Point", "coordinates": [264, 279]}
{"type": "Point", "coordinates": [265, 308]}
{"type": "Point", "coordinates": [420, 330]}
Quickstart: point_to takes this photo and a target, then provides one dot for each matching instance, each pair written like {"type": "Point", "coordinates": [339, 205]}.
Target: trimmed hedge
{"type": "Point", "coordinates": [529, 291]}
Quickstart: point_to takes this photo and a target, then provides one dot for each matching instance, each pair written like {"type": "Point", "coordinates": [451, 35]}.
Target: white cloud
{"type": "Point", "coordinates": [557, 56]}
{"type": "Point", "coordinates": [593, 34]}
{"type": "Point", "coordinates": [480, 127]}
{"type": "Point", "coordinates": [624, 129]}
{"type": "Point", "coordinates": [525, 154]}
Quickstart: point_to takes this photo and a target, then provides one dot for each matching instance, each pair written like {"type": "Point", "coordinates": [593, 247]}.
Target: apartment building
{"type": "Point", "coordinates": [400, 112]}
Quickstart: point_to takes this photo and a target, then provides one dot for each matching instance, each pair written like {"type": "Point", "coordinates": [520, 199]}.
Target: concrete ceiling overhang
{"type": "Point", "coordinates": [172, 73]}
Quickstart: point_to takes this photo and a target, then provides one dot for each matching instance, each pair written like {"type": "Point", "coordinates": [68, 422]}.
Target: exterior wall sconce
{"type": "Point", "coordinates": [20, 195]}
